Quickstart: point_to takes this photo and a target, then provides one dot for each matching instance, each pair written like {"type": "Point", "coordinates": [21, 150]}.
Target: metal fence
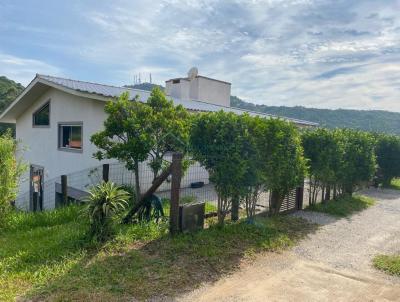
{"type": "Point", "coordinates": [195, 186]}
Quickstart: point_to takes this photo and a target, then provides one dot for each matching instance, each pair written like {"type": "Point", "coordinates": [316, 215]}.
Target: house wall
{"type": "Point", "coordinates": [200, 89]}
{"type": "Point", "coordinates": [40, 145]}
{"type": "Point", "coordinates": [212, 91]}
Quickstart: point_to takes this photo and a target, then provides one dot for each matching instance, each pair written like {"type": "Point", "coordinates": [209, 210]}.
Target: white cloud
{"type": "Point", "coordinates": [303, 52]}
{"type": "Point", "coordinates": [23, 70]}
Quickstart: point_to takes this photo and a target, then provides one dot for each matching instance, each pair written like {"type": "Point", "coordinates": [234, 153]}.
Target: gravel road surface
{"type": "Point", "coordinates": [333, 264]}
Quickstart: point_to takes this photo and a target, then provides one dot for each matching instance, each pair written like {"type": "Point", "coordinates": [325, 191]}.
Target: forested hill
{"type": "Point", "coordinates": [371, 120]}
{"type": "Point", "coordinates": [9, 90]}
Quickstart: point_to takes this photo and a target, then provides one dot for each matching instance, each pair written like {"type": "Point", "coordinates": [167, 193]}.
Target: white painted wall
{"type": "Point", "coordinates": [41, 144]}
{"type": "Point", "coordinates": [200, 89]}
{"type": "Point", "coordinates": [41, 148]}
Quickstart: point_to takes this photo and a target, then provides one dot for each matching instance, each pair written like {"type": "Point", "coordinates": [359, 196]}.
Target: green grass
{"type": "Point", "coordinates": [209, 206]}
{"type": "Point", "coordinates": [343, 206]}
{"type": "Point", "coordinates": [395, 184]}
{"type": "Point", "coordinates": [45, 256]}
{"type": "Point", "coordinates": [388, 263]}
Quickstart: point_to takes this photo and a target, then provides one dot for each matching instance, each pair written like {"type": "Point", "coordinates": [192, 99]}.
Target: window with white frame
{"type": "Point", "coordinates": [70, 136]}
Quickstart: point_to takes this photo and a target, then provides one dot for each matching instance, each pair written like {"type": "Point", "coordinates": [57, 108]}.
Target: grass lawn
{"type": "Point", "coordinates": [388, 263]}
{"type": "Point", "coordinates": [343, 206]}
{"type": "Point", "coordinates": [45, 256]}
{"type": "Point", "coordinates": [395, 184]}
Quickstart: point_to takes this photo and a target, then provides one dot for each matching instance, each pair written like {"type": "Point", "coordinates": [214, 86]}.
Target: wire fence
{"type": "Point", "coordinates": [195, 186]}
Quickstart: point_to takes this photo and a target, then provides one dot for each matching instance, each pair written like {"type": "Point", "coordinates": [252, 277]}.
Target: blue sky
{"type": "Point", "coordinates": [324, 54]}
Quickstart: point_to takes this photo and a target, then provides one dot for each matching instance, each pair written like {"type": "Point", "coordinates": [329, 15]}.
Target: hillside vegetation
{"type": "Point", "coordinates": [9, 90]}
{"type": "Point", "coordinates": [367, 120]}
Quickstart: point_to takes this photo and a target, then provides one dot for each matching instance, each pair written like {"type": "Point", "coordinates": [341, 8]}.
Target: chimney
{"type": "Point", "coordinates": [199, 88]}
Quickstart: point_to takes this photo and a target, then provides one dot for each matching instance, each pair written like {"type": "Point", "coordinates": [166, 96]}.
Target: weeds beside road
{"type": "Point", "coordinates": [344, 206]}
{"type": "Point", "coordinates": [45, 256]}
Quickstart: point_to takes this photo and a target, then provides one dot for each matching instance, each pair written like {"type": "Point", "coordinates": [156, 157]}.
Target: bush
{"type": "Point", "coordinates": [10, 172]}
{"type": "Point", "coordinates": [103, 203]}
{"type": "Point", "coordinates": [388, 158]}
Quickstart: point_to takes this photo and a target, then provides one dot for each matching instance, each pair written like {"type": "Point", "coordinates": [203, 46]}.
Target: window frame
{"type": "Point", "coordinates": [60, 136]}
{"type": "Point", "coordinates": [48, 103]}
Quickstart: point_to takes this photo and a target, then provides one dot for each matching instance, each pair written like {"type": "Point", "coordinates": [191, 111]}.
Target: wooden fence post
{"type": "Point", "coordinates": [176, 171]}
{"type": "Point", "coordinates": [64, 189]}
{"type": "Point", "coordinates": [106, 172]}
{"type": "Point", "coordinates": [299, 197]}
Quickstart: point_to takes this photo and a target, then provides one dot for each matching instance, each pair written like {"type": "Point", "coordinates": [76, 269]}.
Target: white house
{"type": "Point", "coordinates": [55, 118]}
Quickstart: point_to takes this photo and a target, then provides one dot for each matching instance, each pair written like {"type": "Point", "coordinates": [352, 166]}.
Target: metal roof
{"type": "Point", "coordinates": [102, 91]}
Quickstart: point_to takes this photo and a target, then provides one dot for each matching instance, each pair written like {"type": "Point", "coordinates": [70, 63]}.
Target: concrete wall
{"type": "Point", "coordinates": [41, 144]}
{"type": "Point", "coordinates": [200, 89]}
{"type": "Point", "coordinates": [213, 91]}
{"type": "Point", "coordinates": [41, 148]}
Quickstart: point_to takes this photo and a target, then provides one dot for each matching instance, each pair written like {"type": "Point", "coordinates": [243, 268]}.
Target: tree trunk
{"type": "Point", "coordinates": [328, 193]}
{"type": "Point", "coordinates": [276, 202]}
{"type": "Point", "coordinates": [334, 191]}
{"type": "Point", "coordinates": [348, 189]}
{"type": "Point", "coordinates": [137, 180]}
{"type": "Point", "coordinates": [235, 208]}
{"type": "Point", "coordinates": [141, 198]}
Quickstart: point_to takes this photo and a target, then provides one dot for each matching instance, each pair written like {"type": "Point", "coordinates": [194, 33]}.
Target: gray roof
{"type": "Point", "coordinates": [109, 91]}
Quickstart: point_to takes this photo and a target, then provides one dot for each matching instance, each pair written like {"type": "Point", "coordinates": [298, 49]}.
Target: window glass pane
{"type": "Point", "coordinates": [66, 130]}
{"type": "Point", "coordinates": [42, 117]}
{"type": "Point", "coordinates": [70, 136]}
{"type": "Point", "coordinates": [76, 137]}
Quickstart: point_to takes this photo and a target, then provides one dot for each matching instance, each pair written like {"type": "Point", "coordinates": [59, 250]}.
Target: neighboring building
{"type": "Point", "coordinates": [55, 118]}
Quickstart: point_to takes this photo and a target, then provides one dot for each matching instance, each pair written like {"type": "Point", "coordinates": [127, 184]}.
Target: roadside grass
{"type": "Point", "coordinates": [343, 206]}
{"type": "Point", "coordinates": [388, 263]}
{"type": "Point", "coordinates": [46, 257]}
{"type": "Point", "coordinates": [210, 207]}
{"type": "Point", "coordinates": [395, 184]}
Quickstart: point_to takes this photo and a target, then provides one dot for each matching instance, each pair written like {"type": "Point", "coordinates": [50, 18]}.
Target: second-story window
{"type": "Point", "coordinates": [41, 117]}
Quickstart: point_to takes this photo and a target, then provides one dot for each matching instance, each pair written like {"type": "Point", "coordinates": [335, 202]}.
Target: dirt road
{"type": "Point", "coordinates": [334, 264]}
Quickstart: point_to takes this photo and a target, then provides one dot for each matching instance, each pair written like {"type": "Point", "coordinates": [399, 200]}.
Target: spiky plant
{"type": "Point", "coordinates": [104, 201]}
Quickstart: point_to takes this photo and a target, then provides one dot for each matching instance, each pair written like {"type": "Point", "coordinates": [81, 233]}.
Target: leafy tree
{"type": "Point", "coordinates": [10, 171]}
{"type": "Point", "coordinates": [324, 155]}
{"type": "Point", "coordinates": [9, 90]}
{"type": "Point", "coordinates": [134, 132]}
{"type": "Point", "coordinates": [282, 159]}
{"type": "Point", "coordinates": [217, 142]}
{"type": "Point", "coordinates": [358, 163]}
{"type": "Point", "coordinates": [169, 128]}
{"type": "Point", "coordinates": [126, 135]}
{"type": "Point", "coordinates": [254, 179]}
{"type": "Point", "coordinates": [388, 158]}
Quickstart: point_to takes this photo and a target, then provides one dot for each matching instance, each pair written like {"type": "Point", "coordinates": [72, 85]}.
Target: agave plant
{"type": "Point", "coordinates": [103, 202]}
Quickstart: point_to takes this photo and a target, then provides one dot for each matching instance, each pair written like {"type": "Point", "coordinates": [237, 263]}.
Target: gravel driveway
{"type": "Point", "coordinates": [333, 264]}
{"type": "Point", "coordinates": [352, 242]}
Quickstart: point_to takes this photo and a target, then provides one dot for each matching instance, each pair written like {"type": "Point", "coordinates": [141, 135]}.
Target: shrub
{"type": "Point", "coordinates": [10, 172]}
{"type": "Point", "coordinates": [388, 158]}
{"type": "Point", "coordinates": [103, 203]}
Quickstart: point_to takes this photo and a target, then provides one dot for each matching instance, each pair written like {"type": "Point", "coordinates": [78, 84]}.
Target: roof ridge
{"type": "Point", "coordinates": [87, 82]}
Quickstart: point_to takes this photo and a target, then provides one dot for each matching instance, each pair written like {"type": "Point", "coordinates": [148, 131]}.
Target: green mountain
{"type": "Point", "coordinates": [369, 120]}
{"type": "Point", "coordinates": [9, 90]}
{"type": "Point", "coordinates": [145, 86]}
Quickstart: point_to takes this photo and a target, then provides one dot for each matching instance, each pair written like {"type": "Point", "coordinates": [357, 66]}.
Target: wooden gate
{"type": "Point", "coordinates": [293, 201]}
